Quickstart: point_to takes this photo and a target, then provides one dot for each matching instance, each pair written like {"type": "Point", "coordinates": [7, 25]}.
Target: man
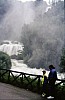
{"type": "Point", "coordinates": [51, 80]}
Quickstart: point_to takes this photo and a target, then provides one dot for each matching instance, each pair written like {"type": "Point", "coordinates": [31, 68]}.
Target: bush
{"type": "Point", "coordinates": [5, 61]}
{"type": "Point", "coordinates": [62, 61]}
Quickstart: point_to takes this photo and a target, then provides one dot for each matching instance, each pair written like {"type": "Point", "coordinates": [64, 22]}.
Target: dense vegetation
{"type": "Point", "coordinates": [43, 39]}
{"type": "Point", "coordinates": [41, 31]}
{"type": "Point", "coordinates": [62, 61]}
{"type": "Point", "coordinates": [5, 61]}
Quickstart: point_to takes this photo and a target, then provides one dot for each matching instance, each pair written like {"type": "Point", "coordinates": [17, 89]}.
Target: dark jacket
{"type": "Point", "coordinates": [52, 76]}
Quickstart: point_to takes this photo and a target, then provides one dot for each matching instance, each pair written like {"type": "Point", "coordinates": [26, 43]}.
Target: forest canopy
{"type": "Point", "coordinates": [43, 39]}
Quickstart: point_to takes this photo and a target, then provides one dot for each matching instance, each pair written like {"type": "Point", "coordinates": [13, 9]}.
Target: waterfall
{"type": "Point", "coordinates": [18, 65]}
{"type": "Point", "coordinates": [11, 48]}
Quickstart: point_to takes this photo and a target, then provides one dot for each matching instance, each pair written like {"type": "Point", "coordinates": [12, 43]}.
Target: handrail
{"type": "Point", "coordinates": [21, 72]}
{"type": "Point", "coordinates": [22, 77]}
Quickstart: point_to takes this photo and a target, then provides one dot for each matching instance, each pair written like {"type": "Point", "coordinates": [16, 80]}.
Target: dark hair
{"type": "Point", "coordinates": [44, 71]}
{"type": "Point", "coordinates": [51, 67]}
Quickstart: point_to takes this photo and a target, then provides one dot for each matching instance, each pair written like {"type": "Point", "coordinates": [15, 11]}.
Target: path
{"type": "Point", "coordinates": [9, 92]}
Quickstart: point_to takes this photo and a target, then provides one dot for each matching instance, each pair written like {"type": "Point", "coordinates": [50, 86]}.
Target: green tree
{"type": "Point", "coordinates": [5, 61]}
{"type": "Point", "coordinates": [62, 61]}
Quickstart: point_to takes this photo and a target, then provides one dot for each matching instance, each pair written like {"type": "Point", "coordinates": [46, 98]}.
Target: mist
{"type": "Point", "coordinates": [38, 26]}
{"type": "Point", "coordinates": [44, 38]}
{"type": "Point", "coordinates": [15, 17]}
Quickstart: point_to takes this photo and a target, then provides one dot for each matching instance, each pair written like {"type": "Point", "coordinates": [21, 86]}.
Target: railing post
{"type": "Point", "coordinates": [22, 80]}
{"type": "Point", "coordinates": [9, 77]}
{"type": "Point", "coordinates": [38, 85]}
{"type": "Point", "coordinates": [22, 77]}
{"type": "Point", "coordinates": [0, 74]}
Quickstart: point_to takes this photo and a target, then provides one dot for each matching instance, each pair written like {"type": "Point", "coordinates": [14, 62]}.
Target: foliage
{"type": "Point", "coordinates": [42, 38]}
{"type": "Point", "coordinates": [62, 61]}
{"type": "Point", "coordinates": [60, 92]}
{"type": "Point", "coordinates": [22, 82]}
{"type": "Point", "coordinates": [5, 61]}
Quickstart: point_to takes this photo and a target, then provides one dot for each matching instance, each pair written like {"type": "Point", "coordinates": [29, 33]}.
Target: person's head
{"type": "Point", "coordinates": [51, 67]}
{"type": "Point", "coordinates": [44, 72]}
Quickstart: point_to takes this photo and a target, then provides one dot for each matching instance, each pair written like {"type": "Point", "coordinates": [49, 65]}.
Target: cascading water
{"type": "Point", "coordinates": [18, 65]}
{"type": "Point", "coordinates": [13, 48]}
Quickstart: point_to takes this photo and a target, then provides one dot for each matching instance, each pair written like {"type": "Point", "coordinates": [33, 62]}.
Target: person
{"type": "Point", "coordinates": [44, 84]}
{"type": "Point", "coordinates": [51, 81]}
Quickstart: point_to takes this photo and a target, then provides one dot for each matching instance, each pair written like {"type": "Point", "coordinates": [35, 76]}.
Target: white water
{"type": "Point", "coordinates": [11, 48]}
{"type": "Point", "coordinates": [18, 65]}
